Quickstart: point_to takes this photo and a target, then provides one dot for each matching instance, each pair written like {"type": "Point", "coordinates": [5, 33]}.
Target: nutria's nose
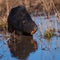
{"type": "Point", "coordinates": [34, 30]}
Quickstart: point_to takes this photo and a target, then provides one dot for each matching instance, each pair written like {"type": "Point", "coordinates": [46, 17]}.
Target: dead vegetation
{"type": "Point", "coordinates": [33, 6]}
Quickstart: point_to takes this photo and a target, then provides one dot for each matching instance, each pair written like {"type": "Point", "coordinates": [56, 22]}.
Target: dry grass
{"type": "Point", "coordinates": [46, 6]}
{"type": "Point", "coordinates": [3, 22]}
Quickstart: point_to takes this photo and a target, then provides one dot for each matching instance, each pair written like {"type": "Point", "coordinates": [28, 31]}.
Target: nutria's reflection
{"type": "Point", "coordinates": [21, 46]}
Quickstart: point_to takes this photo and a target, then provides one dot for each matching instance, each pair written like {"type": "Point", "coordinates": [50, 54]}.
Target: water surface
{"type": "Point", "coordinates": [43, 52]}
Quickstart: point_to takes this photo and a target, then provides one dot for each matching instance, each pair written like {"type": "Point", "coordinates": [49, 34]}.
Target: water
{"type": "Point", "coordinates": [42, 53]}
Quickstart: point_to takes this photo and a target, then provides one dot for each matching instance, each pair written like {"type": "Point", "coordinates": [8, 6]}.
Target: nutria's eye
{"type": "Point", "coordinates": [24, 22]}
